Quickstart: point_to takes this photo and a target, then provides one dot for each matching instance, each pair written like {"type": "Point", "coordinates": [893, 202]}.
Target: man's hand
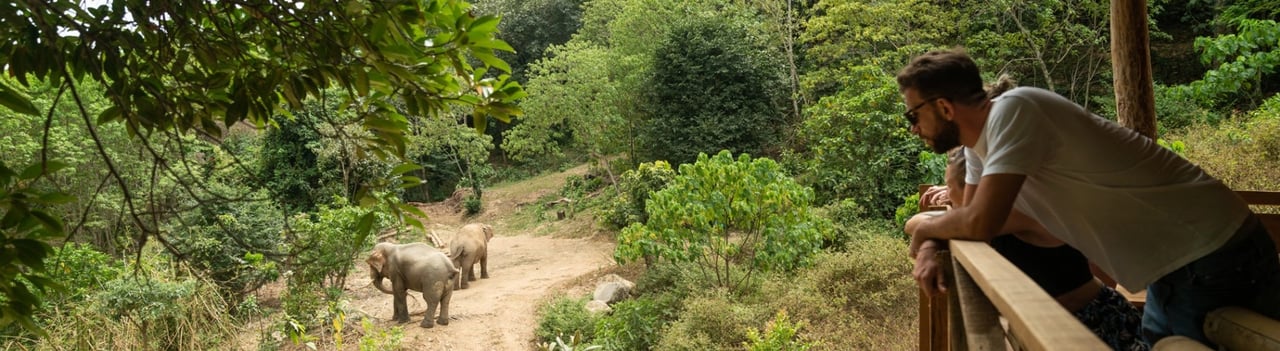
{"type": "Point", "coordinates": [936, 196]}
{"type": "Point", "coordinates": [913, 225]}
{"type": "Point", "coordinates": [928, 270]}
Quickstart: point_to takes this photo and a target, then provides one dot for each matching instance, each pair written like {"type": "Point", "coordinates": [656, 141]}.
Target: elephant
{"type": "Point", "coordinates": [470, 245]}
{"type": "Point", "coordinates": [417, 267]}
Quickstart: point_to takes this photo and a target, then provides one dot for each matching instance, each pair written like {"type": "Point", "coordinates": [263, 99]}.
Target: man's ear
{"type": "Point", "coordinates": [946, 109]}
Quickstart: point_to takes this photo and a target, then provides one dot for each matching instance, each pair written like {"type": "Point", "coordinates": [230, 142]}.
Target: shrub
{"type": "Point", "coordinates": [778, 335]}
{"type": "Point", "coordinates": [1244, 152]}
{"type": "Point", "coordinates": [81, 270]}
{"type": "Point", "coordinates": [566, 317]}
{"type": "Point", "coordinates": [721, 212]}
{"type": "Point", "coordinates": [183, 315]}
{"type": "Point", "coordinates": [328, 242]}
{"type": "Point", "coordinates": [471, 204]}
{"type": "Point", "coordinates": [378, 339]}
{"type": "Point", "coordinates": [632, 193]}
{"type": "Point", "coordinates": [637, 324]}
{"type": "Point", "coordinates": [710, 322]}
{"type": "Point", "coordinates": [863, 297]}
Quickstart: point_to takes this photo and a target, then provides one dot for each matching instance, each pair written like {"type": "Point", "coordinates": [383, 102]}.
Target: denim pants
{"type": "Point", "coordinates": [1244, 272]}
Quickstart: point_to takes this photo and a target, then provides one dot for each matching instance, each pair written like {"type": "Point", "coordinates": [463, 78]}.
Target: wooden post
{"type": "Point", "coordinates": [1131, 66]}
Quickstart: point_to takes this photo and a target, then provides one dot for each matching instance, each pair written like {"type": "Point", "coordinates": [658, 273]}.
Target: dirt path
{"type": "Point", "coordinates": [525, 269]}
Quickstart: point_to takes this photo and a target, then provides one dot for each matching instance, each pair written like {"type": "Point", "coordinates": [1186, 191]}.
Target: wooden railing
{"type": "Point", "coordinates": [992, 305]}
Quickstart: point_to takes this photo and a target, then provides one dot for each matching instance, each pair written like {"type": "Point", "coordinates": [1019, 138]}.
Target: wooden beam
{"type": "Point", "coordinates": [981, 319]}
{"type": "Point", "coordinates": [1235, 328]}
{"type": "Point", "coordinates": [1131, 66]}
{"type": "Point", "coordinates": [1028, 309]}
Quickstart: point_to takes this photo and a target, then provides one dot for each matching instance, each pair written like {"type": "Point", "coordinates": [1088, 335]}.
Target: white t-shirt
{"type": "Point", "coordinates": [1136, 209]}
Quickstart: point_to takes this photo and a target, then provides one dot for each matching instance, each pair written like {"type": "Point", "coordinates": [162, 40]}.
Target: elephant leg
{"type": "Point", "coordinates": [484, 266]}
{"type": "Point", "coordinates": [468, 272]}
{"type": "Point", "coordinates": [471, 272]}
{"type": "Point", "coordinates": [431, 296]}
{"type": "Point", "coordinates": [446, 293]}
{"type": "Point", "coordinates": [401, 314]}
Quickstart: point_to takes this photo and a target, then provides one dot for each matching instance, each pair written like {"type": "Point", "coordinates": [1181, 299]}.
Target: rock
{"type": "Point", "coordinates": [613, 288]}
{"type": "Point", "coordinates": [598, 307]}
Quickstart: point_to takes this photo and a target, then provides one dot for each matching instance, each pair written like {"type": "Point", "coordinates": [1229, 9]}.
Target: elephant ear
{"type": "Point", "coordinates": [488, 232]}
{"type": "Point", "coordinates": [377, 261]}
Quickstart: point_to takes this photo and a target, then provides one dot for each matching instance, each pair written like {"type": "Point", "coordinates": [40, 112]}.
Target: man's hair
{"type": "Point", "coordinates": [947, 74]}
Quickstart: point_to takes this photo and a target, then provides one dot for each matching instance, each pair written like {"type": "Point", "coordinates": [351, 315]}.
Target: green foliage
{"type": "Point", "coordinates": [378, 339]}
{"type": "Point", "coordinates": [910, 206]}
{"type": "Point", "coordinates": [25, 230]}
{"type": "Point", "coordinates": [227, 242]}
{"type": "Point", "coordinates": [858, 145]}
{"type": "Point", "coordinates": [1241, 61]}
{"type": "Point", "coordinates": [565, 316]}
{"type": "Point", "coordinates": [632, 193]}
{"type": "Point", "coordinates": [860, 298]}
{"type": "Point", "coordinates": [327, 244]}
{"type": "Point", "coordinates": [778, 335]}
{"type": "Point", "coordinates": [82, 271]}
{"type": "Point", "coordinates": [709, 322]}
{"type": "Point", "coordinates": [165, 315]}
{"type": "Point", "coordinates": [170, 71]}
{"type": "Point", "coordinates": [636, 324]}
{"type": "Point", "coordinates": [472, 204]}
{"type": "Point", "coordinates": [452, 156]}
{"type": "Point", "coordinates": [713, 87]}
{"type": "Point", "coordinates": [720, 212]}
{"type": "Point", "coordinates": [573, 103]}
{"type": "Point", "coordinates": [531, 27]}
{"type": "Point", "coordinates": [1243, 152]}
{"type": "Point", "coordinates": [1061, 46]}
{"type": "Point", "coordinates": [842, 36]}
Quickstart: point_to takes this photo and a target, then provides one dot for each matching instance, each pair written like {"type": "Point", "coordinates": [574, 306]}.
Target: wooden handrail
{"type": "Point", "coordinates": [986, 286]}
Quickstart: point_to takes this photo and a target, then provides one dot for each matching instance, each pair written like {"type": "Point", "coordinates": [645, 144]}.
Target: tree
{"type": "Point", "coordinates": [572, 97]}
{"type": "Point", "coordinates": [720, 213]}
{"type": "Point", "coordinates": [713, 87]}
{"type": "Point", "coordinates": [171, 69]}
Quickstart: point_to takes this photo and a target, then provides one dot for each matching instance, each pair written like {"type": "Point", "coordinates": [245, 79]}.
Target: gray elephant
{"type": "Point", "coordinates": [417, 267]}
{"type": "Point", "coordinates": [470, 245]}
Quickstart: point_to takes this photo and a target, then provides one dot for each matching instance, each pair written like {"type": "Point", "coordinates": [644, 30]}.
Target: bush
{"type": "Point", "coordinates": [81, 270]}
{"type": "Point", "coordinates": [710, 322]}
{"type": "Point", "coordinates": [721, 212]}
{"type": "Point", "coordinates": [183, 315]}
{"type": "Point", "coordinates": [862, 298]}
{"type": "Point", "coordinates": [637, 324]}
{"type": "Point", "coordinates": [566, 317]}
{"type": "Point", "coordinates": [778, 335]}
{"type": "Point", "coordinates": [471, 204]}
{"type": "Point", "coordinates": [632, 193]}
{"type": "Point", "coordinates": [1244, 152]}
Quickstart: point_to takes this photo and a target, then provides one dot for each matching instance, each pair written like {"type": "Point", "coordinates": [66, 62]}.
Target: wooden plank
{"type": "Point", "coordinates": [1028, 308]}
{"type": "Point", "coordinates": [1235, 328]}
{"type": "Point", "coordinates": [1260, 197]}
{"type": "Point", "coordinates": [981, 319]}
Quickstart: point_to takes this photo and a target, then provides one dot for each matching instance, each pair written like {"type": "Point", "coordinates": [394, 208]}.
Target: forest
{"type": "Point", "coordinates": [748, 158]}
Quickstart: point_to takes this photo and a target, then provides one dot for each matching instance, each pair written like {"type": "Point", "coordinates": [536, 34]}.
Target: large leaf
{"type": "Point", "coordinates": [16, 100]}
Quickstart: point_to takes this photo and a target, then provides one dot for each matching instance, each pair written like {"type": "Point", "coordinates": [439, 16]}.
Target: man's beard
{"type": "Point", "coordinates": [948, 138]}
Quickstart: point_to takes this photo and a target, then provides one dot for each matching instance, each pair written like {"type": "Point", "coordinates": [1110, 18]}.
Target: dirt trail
{"type": "Point", "coordinates": [525, 269]}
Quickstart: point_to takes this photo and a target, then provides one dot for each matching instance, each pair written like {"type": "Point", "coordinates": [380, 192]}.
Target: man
{"type": "Point", "coordinates": [1140, 212]}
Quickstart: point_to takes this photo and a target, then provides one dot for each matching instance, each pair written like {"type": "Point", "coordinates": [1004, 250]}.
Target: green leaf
{"type": "Point", "coordinates": [486, 56]}
{"type": "Point", "coordinates": [56, 198]}
{"type": "Point", "coordinates": [50, 223]}
{"type": "Point", "coordinates": [405, 168]}
{"type": "Point", "coordinates": [365, 226]}
{"type": "Point", "coordinates": [31, 252]}
{"type": "Point", "coordinates": [16, 100]}
{"type": "Point", "coordinates": [484, 24]}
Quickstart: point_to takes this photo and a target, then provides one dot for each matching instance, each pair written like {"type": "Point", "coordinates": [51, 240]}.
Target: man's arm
{"type": "Point", "coordinates": [982, 218]}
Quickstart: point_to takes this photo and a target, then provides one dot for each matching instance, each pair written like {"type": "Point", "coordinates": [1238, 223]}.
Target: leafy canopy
{"type": "Point", "coordinates": [171, 67]}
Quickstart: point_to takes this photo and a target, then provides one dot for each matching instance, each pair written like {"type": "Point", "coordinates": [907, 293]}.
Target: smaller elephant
{"type": "Point", "coordinates": [417, 267]}
{"type": "Point", "coordinates": [470, 245]}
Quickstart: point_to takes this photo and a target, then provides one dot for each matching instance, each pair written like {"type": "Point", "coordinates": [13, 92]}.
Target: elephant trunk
{"type": "Point", "coordinates": [377, 281]}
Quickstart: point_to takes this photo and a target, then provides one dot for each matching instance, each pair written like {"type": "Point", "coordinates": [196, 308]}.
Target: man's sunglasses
{"type": "Point", "coordinates": [911, 116]}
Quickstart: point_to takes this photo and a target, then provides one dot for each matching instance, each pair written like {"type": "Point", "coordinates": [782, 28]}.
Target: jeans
{"type": "Point", "coordinates": [1244, 272]}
